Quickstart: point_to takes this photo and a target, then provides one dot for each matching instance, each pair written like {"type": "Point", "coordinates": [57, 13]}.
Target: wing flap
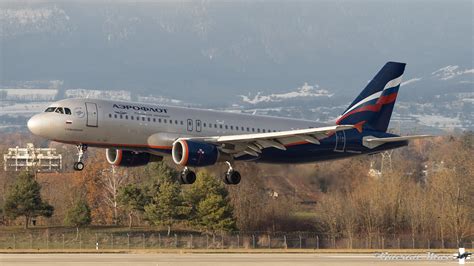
{"type": "Point", "coordinates": [252, 144]}
{"type": "Point", "coordinates": [275, 135]}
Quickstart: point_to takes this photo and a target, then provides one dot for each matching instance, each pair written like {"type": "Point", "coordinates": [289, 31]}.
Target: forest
{"type": "Point", "coordinates": [425, 190]}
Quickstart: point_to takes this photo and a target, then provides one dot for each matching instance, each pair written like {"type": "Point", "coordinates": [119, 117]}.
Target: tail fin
{"type": "Point", "coordinates": [374, 105]}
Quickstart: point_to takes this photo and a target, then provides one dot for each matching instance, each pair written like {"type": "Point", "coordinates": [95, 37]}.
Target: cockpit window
{"type": "Point", "coordinates": [58, 110]}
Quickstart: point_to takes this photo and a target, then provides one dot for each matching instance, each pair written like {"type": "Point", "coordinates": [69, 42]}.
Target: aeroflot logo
{"type": "Point", "coordinates": [141, 108]}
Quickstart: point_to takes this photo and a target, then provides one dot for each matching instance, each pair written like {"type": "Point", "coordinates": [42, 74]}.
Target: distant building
{"type": "Point", "coordinates": [27, 95]}
{"type": "Point", "coordinates": [40, 159]}
{"type": "Point", "coordinates": [120, 95]}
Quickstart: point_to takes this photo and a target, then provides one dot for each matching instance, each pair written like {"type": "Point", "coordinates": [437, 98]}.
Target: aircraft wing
{"type": "Point", "coordinates": [252, 144]}
{"type": "Point", "coordinates": [372, 142]}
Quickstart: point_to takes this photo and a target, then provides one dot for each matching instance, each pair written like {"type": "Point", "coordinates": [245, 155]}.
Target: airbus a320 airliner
{"type": "Point", "coordinates": [136, 133]}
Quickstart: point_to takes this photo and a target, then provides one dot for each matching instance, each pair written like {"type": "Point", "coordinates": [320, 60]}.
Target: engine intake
{"type": "Point", "coordinates": [193, 153]}
{"type": "Point", "coordinates": [127, 158]}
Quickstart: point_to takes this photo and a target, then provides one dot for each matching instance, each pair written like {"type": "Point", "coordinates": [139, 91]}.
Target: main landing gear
{"type": "Point", "coordinates": [81, 149]}
{"type": "Point", "coordinates": [187, 176]}
{"type": "Point", "coordinates": [231, 177]}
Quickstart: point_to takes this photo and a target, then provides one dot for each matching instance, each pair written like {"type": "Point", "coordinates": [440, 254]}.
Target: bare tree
{"type": "Point", "coordinates": [111, 180]}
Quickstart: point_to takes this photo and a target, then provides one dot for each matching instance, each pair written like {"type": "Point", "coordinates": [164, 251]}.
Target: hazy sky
{"type": "Point", "coordinates": [225, 48]}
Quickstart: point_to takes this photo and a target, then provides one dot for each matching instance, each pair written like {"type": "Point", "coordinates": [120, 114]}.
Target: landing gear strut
{"type": "Point", "coordinates": [187, 176]}
{"type": "Point", "coordinates": [231, 177]}
{"type": "Point", "coordinates": [81, 149]}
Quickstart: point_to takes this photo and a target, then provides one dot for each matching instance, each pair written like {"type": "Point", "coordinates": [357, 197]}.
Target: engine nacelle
{"type": "Point", "coordinates": [127, 158]}
{"type": "Point", "coordinates": [193, 153]}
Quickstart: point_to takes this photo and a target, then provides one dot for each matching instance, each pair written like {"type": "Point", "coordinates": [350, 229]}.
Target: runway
{"type": "Point", "coordinates": [208, 259]}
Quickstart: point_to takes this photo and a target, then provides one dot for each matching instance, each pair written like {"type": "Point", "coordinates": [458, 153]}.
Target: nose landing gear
{"type": "Point", "coordinates": [231, 177]}
{"type": "Point", "coordinates": [81, 149]}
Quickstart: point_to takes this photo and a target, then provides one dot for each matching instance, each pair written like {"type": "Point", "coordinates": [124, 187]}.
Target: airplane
{"type": "Point", "coordinates": [135, 134]}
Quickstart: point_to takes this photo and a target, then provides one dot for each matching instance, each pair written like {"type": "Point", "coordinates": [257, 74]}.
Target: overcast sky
{"type": "Point", "coordinates": [222, 49]}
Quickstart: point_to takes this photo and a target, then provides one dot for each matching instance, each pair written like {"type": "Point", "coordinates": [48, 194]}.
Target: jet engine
{"type": "Point", "coordinates": [194, 153]}
{"type": "Point", "coordinates": [127, 158]}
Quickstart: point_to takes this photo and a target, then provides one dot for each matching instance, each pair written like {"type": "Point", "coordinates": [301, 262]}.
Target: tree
{"type": "Point", "coordinates": [79, 215]}
{"type": "Point", "coordinates": [165, 207]}
{"type": "Point", "coordinates": [211, 208]}
{"type": "Point", "coordinates": [133, 199]}
{"type": "Point", "coordinates": [329, 210]}
{"type": "Point", "coordinates": [111, 182]}
{"type": "Point", "coordinates": [215, 214]}
{"type": "Point", "coordinates": [24, 199]}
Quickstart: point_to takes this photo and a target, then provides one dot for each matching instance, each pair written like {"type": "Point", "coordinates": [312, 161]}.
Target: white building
{"type": "Point", "coordinates": [39, 159]}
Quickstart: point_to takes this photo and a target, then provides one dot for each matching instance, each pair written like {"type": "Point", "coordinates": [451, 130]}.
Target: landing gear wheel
{"type": "Point", "coordinates": [232, 177]}
{"type": "Point", "coordinates": [81, 150]}
{"type": "Point", "coordinates": [79, 166]}
{"type": "Point", "coordinates": [187, 177]}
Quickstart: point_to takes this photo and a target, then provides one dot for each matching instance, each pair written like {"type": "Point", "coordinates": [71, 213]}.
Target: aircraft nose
{"type": "Point", "coordinates": [34, 125]}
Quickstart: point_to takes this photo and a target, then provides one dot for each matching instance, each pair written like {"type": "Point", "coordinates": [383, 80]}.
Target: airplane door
{"type": "Point", "coordinates": [340, 141]}
{"type": "Point", "coordinates": [198, 125]}
{"type": "Point", "coordinates": [92, 116]}
{"type": "Point", "coordinates": [190, 125]}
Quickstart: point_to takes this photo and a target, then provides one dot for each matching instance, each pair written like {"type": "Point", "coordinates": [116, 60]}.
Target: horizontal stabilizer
{"type": "Point", "coordinates": [372, 142]}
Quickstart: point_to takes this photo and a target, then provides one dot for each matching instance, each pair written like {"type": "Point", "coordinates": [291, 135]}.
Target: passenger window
{"type": "Point", "coordinates": [126, 117]}
{"type": "Point", "coordinates": [258, 130]}
{"type": "Point", "coordinates": [59, 110]}
{"type": "Point", "coordinates": [159, 120]}
{"type": "Point", "coordinates": [154, 119]}
{"type": "Point", "coordinates": [242, 128]}
{"type": "Point", "coordinates": [50, 109]}
{"type": "Point", "coordinates": [110, 115]}
{"type": "Point", "coordinates": [181, 122]}
{"type": "Point", "coordinates": [143, 118]}
{"type": "Point", "coordinates": [67, 111]}
{"type": "Point", "coordinates": [253, 129]}
{"type": "Point", "coordinates": [226, 127]}
{"type": "Point", "coordinates": [220, 126]}
{"type": "Point", "coordinates": [248, 129]}
{"type": "Point", "coordinates": [131, 117]}
{"type": "Point", "coordinates": [231, 127]}
{"type": "Point", "coordinates": [115, 116]}
{"type": "Point", "coordinates": [176, 122]}
{"type": "Point", "coordinates": [204, 124]}
{"type": "Point", "coordinates": [263, 130]}
{"type": "Point", "coordinates": [121, 117]}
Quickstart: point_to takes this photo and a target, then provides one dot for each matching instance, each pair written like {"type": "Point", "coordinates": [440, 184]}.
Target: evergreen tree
{"type": "Point", "coordinates": [24, 199]}
{"type": "Point", "coordinates": [79, 215]}
{"type": "Point", "coordinates": [133, 199]}
{"type": "Point", "coordinates": [215, 214]}
{"type": "Point", "coordinates": [160, 172]}
{"type": "Point", "coordinates": [165, 207]}
{"type": "Point", "coordinates": [211, 208]}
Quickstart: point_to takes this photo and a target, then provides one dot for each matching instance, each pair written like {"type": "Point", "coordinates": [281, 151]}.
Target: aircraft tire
{"type": "Point", "coordinates": [79, 166]}
{"type": "Point", "coordinates": [232, 178]}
